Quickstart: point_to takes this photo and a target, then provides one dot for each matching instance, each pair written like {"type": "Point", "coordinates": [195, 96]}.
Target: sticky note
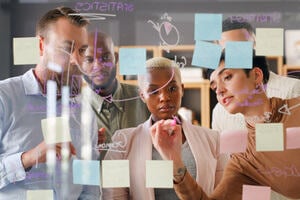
{"type": "Point", "coordinates": [269, 137]}
{"type": "Point", "coordinates": [233, 141]}
{"type": "Point", "coordinates": [86, 172]}
{"type": "Point", "coordinates": [293, 138]}
{"type": "Point", "coordinates": [238, 55]}
{"type": "Point", "coordinates": [251, 192]}
{"type": "Point", "coordinates": [56, 130]}
{"type": "Point", "coordinates": [206, 55]}
{"type": "Point", "coordinates": [159, 174]}
{"type": "Point", "coordinates": [208, 26]}
{"type": "Point", "coordinates": [132, 61]}
{"type": "Point", "coordinates": [269, 41]}
{"type": "Point", "coordinates": [39, 194]}
{"type": "Point", "coordinates": [26, 50]}
{"type": "Point", "coordinates": [115, 173]}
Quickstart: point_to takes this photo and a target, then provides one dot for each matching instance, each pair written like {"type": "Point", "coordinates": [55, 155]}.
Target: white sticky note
{"type": "Point", "coordinates": [252, 192]}
{"type": "Point", "coordinates": [26, 50]}
{"type": "Point", "coordinates": [293, 138]}
{"type": "Point", "coordinates": [39, 194]}
{"type": "Point", "coordinates": [159, 174]}
{"type": "Point", "coordinates": [233, 141]}
{"type": "Point", "coordinates": [269, 137]}
{"type": "Point", "coordinates": [269, 41]}
{"type": "Point", "coordinates": [115, 173]}
{"type": "Point", "coordinates": [56, 130]}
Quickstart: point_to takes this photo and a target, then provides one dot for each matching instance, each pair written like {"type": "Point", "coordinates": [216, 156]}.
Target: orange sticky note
{"type": "Point", "coordinates": [293, 138]}
{"type": "Point", "coordinates": [251, 192]}
{"type": "Point", "coordinates": [233, 141]}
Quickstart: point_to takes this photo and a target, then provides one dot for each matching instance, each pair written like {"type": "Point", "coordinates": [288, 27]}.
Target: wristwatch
{"type": "Point", "coordinates": [179, 176]}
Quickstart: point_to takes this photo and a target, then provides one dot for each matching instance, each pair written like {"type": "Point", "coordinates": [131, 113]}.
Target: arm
{"type": "Point", "coordinates": [117, 193]}
{"type": "Point", "coordinates": [215, 124]}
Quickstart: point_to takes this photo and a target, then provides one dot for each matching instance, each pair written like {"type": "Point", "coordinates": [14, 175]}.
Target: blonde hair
{"type": "Point", "coordinates": [158, 62]}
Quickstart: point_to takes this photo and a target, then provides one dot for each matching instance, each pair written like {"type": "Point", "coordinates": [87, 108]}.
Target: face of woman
{"type": "Point", "coordinates": [162, 100]}
{"type": "Point", "coordinates": [234, 89]}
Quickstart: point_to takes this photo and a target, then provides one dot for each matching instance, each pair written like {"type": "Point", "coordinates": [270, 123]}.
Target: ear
{"type": "Point", "coordinates": [182, 88]}
{"type": "Point", "coordinates": [258, 75]}
{"type": "Point", "coordinates": [116, 57]}
{"type": "Point", "coordinates": [142, 95]}
{"type": "Point", "coordinates": [41, 45]}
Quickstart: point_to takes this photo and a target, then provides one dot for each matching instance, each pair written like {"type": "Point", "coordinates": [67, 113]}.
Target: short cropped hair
{"type": "Point", "coordinates": [159, 62]}
{"type": "Point", "coordinates": [54, 15]}
{"type": "Point", "coordinates": [228, 25]}
{"type": "Point", "coordinates": [258, 61]}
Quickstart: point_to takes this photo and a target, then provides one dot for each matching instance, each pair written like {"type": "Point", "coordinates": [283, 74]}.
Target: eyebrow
{"type": "Point", "coordinates": [219, 73]}
{"type": "Point", "coordinates": [68, 42]}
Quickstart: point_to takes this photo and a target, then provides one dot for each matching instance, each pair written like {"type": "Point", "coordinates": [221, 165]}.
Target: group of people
{"type": "Point", "coordinates": [152, 127]}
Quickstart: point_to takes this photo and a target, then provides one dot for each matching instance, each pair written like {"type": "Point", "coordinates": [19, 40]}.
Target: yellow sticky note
{"type": "Point", "coordinates": [269, 137]}
{"type": "Point", "coordinates": [26, 50]}
{"type": "Point", "coordinates": [39, 194]}
{"type": "Point", "coordinates": [159, 174]}
{"type": "Point", "coordinates": [115, 173]}
{"type": "Point", "coordinates": [269, 41]}
{"type": "Point", "coordinates": [56, 130]}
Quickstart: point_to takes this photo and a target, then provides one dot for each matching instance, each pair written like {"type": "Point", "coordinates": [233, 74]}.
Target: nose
{"type": "Point", "coordinates": [75, 58]}
{"type": "Point", "coordinates": [220, 89]}
{"type": "Point", "coordinates": [164, 95]}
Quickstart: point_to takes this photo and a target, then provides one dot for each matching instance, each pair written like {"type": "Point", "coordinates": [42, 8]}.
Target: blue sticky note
{"type": "Point", "coordinates": [206, 55]}
{"type": "Point", "coordinates": [132, 61]}
{"type": "Point", "coordinates": [208, 26]}
{"type": "Point", "coordinates": [86, 172]}
{"type": "Point", "coordinates": [238, 55]}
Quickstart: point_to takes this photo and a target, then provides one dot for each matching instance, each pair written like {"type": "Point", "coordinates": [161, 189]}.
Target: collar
{"type": "Point", "coordinates": [97, 100]}
{"type": "Point", "coordinates": [31, 84]}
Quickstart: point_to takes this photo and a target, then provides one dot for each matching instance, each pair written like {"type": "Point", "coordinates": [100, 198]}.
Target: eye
{"type": "Point", "coordinates": [88, 59]}
{"type": "Point", "coordinates": [153, 91]}
{"type": "Point", "coordinates": [173, 88]}
{"type": "Point", "coordinates": [227, 77]}
{"type": "Point", "coordinates": [106, 57]}
{"type": "Point", "coordinates": [82, 51]}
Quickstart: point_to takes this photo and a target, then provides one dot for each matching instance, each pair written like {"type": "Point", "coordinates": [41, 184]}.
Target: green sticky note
{"type": "Point", "coordinates": [159, 174]}
{"type": "Point", "coordinates": [269, 41]}
{"type": "Point", "coordinates": [26, 50]}
{"type": "Point", "coordinates": [269, 137]}
{"type": "Point", "coordinates": [86, 172]}
{"type": "Point", "coordinates": [56, 130]}
{"type": "Point", "coordinates": [39, 194]}
{"type": "Point", "coordinates": [115, 173]}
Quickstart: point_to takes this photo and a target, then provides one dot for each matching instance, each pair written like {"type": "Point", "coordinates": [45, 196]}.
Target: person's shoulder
{"type": "Point", "coordinates": [129, 89]}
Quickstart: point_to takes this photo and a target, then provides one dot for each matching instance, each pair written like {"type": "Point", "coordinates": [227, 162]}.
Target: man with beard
{"type": "Point", "coordinates": [23, 150]}
{"type": "Point", "coordinates": [117, 105]}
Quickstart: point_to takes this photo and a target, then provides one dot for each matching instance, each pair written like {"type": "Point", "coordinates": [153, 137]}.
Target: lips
{"type": "Point", "coordinates": [166, 108]}
{"type": "Point", "coordinates": [226, 100]}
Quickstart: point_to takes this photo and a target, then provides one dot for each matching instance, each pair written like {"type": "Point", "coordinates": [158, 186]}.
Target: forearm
{"type": "Point", "coordinates": [188, 189]}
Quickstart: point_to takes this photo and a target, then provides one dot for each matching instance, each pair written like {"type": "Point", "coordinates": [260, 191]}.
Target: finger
{"type": "Point", "coordinates": [72, 149]}
{"type": "Point", "coordinates": [101, 131]}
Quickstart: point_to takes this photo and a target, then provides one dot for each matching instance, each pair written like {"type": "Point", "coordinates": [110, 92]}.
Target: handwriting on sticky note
{"type": "Point", "coordinates": [251, 192]}
{"type": "Point", "coordinates": [159, 174]}
{"type": "Point", "coordinates": [132, 61]}
{"type": "Point", "coordinates": [26, 50]}
{"type": "Point", "coordinates": [233, 141]}
{"type": "Point", "coordinates": [115, 173]}
{"type": "Point", "coordinates": [293, 138]}
{"type": "Point", "coordinates": [239, 55]}
{"type": "Point", "coordinates": [206, 55]}
{"type": "Point", "coordinates": [86, 172]}
{"type": "Point", "coordinates": [56, 130]}
{"type": "Point", "coordinates": [269, 41]}
{"type": "Point", "coordinates": [208, 26]}
{"type": "Point", "coordinates": [39, 194]}
{"type": "Point", "coordinates": [269, 137]}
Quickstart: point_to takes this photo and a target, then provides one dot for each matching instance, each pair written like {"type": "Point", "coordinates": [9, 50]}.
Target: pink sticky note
{"type": "Point", "coordinates": [293, 138]}
{"type": "Point", "coordinates": [233, 141]}
{"type": "Point", "coordinates": [251, 192]}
